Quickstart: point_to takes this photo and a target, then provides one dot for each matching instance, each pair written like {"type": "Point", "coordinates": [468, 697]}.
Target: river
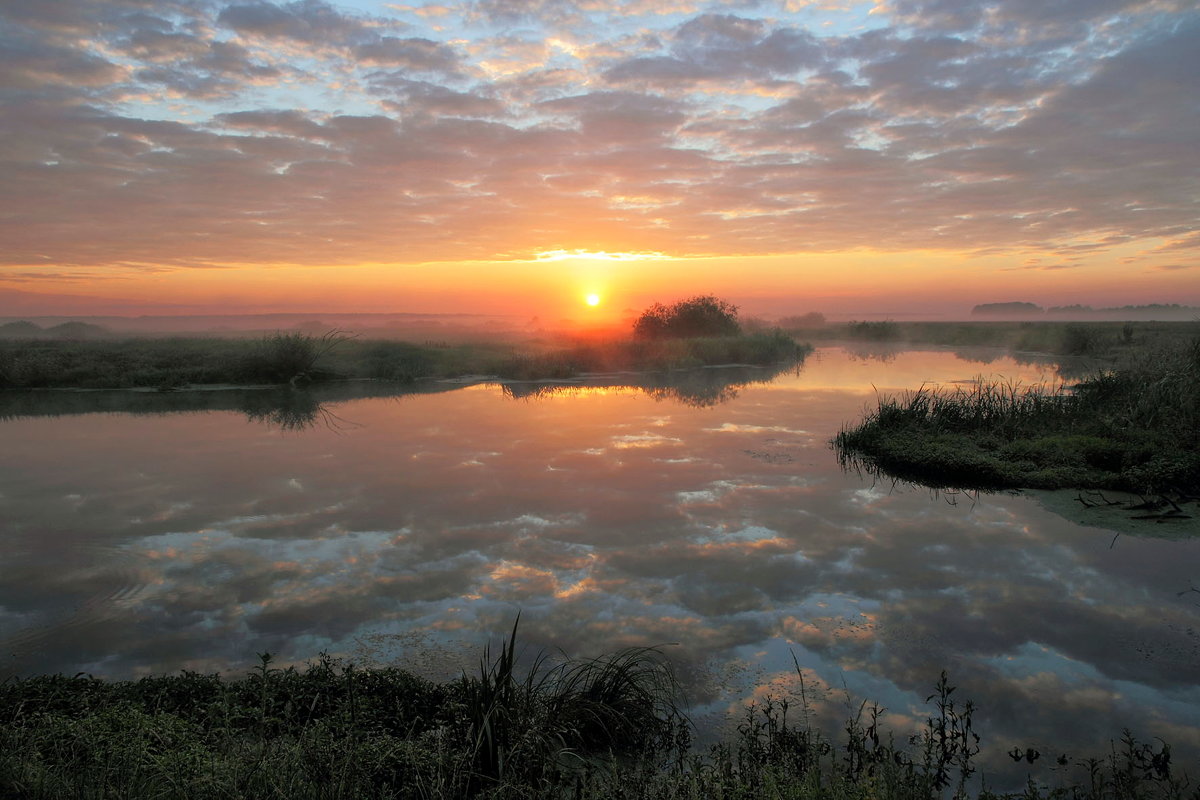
{"type": "Point", "coordinates": [708, 516]}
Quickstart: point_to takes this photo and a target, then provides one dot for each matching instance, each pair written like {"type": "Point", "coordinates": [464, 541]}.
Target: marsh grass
{"type": "Point", "coordinates": [596, 729]}
{"type": "Point", "coordinates": [179, 362]}
{"type": "Point", "coordinates": [290, 357]}
{"type": "Point", "coordinates": [299, 359]}
{"type": "Point", "coordinates": [1136, 429]}
{"type": "Point", "coordinates": [881, 331]}
{"type": "Point", "coordinates": [1105, 341]}
{"type": "Point", "coordinates": [760, 348]}
{"type": "Point", "coordinates": [539, 728]}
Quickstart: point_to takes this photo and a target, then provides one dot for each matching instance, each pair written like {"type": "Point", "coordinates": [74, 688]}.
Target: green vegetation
{"type": "Point", "coordinates": [761, 349]}
{"type": "Point", "coordinates": [1135, 428]}
{"type": "Point", "coordinates": [300, 358]}
{"type": "Point", "coordinates": [882, 331]}
{"type": "Point", "coordinates": [703, 315]}
{"type": "Point", "coordinates": [164, 363]}
{"type": "Point", "coordinates": [587, 729]}
{"type": "Point", "coordinates": [1108, 341]}
{"type": "Point", "coordinates": [1151, 311]}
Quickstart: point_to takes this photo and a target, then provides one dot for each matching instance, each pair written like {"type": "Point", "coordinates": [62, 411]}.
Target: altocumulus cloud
{"type": "Point", "coordinates": [207, 132]}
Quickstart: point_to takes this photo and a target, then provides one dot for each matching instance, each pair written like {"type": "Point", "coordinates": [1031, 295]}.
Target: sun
{"type": "Point", "coordinates": [592, 300]}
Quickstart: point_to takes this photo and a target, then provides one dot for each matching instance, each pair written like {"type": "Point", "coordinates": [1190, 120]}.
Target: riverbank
{"type": "Point", "coordinates": [299, 359]}
{"type": "Point", "coordinates": [1114, 342]}
{"type": "Point", "coordinates": [1135, 428]}
{"type": "Point", "coordinates": [596, 729]}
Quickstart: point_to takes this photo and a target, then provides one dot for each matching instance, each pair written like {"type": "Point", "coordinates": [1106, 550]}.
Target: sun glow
{"type": "Point", "coordinates": [597, 255]}
{"type": "Point", "coordinates": [592, 300]}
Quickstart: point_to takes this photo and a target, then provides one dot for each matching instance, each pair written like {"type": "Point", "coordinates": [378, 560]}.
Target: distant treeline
{"type": "Point", "coordinates": [67, 330]}
{"type": "Point", "coordinates": [1158, 311]}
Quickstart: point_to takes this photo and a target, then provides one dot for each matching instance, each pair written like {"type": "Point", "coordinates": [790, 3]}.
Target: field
{"type": "Point", "coordinates": [300, 359]}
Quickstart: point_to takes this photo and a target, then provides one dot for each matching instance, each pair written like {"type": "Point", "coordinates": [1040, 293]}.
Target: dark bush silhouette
{"type": "Point", "coordinates": [703, 315]}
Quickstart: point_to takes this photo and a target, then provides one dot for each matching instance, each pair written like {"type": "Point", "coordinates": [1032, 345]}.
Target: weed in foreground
{"type": "Point", "coordinates": [596, 729]}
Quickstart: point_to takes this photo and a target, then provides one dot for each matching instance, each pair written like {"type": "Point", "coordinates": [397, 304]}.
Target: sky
{"type": "Point", "coordinates": [910, 157]}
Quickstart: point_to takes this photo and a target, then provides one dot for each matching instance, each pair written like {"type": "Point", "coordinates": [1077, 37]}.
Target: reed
{"type": "Point", "coordinates": [1136, 429]}
{"type": "Point", "coordinates": [299, 358]}
{"type": "Point", "coordinates": [597, 729]}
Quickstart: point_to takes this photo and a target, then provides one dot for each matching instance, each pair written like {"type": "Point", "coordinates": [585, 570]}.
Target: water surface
{"type": "Point", "coordinates": [714, 518]}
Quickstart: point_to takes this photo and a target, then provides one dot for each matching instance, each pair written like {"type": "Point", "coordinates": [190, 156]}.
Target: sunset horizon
{"type": "Point", "coordinates": [604, 399]}
{"type": "Point", "coordinates": [906, 157]}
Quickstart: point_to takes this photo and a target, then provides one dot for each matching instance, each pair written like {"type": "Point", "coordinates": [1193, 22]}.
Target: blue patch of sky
{"type": "Point", "coordinates": [846, 19]}
{"type": "Point", "coordinates": [312, 90]}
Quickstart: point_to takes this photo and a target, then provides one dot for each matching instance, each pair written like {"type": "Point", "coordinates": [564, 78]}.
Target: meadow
{"type": "Point", "coordinates": [299, 359]}
{"type": "Point", "coordinates": [1110, 341]}
{"type": "Point", "coordinates": [612, 727]}
{"type": "Point", "coordinates": [93, 359]}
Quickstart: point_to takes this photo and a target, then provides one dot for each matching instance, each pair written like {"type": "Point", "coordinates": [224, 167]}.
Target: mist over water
{"type": "Point", "coordinates": [712, 519]}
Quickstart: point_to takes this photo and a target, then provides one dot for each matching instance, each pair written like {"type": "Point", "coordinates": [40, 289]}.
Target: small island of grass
{"type": "Point", "coordinates": [1133, 428]}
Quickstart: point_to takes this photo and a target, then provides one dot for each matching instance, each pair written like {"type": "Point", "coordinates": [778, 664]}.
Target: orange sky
{"type": "Point", "coordinates": [859, 158]}
{"type": "Point", "coordinates": [931, 284]}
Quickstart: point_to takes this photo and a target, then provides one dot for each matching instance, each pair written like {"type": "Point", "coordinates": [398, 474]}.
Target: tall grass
{"type": "Point", "coordinates": [299, 358]}
{"type": "Point", "coordinates": [1136, 428]}
{"type": "Point", "coordinates": [289, 357]}
{"type": "Point", "coordinates": [881, 331]}
{"type": "Point", "coordinates": [1105, 341]}
{"type": "Point", "coordinates": [656, 355]}
{"type": "Point", "coordinates": [530, 729]}
{"type": "Point", "coordinates": [597, 729]}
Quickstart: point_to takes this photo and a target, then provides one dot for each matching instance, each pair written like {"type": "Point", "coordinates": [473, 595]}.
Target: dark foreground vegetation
{"type": "Point", "coordinates": [605, 728]}
{"type": "Point", "coordinates": [1134, 426]}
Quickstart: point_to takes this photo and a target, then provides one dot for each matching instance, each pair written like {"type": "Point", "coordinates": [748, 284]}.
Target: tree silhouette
{"type": "Point", "coordinates": [703, 315]}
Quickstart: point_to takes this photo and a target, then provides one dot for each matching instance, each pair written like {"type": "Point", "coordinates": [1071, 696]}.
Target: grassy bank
{"type": "Point", "coordinates": [1112, 341]}
{"type": "Point", "coordinates": [605, 728]}
{"type": "Point", "coordinates": [1134, 428]}
{"type": "Point", "coordinates": [299, 358]}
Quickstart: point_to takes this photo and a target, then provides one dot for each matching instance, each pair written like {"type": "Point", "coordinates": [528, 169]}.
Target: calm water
{"type": "Point", "coordinates": [412, 529]}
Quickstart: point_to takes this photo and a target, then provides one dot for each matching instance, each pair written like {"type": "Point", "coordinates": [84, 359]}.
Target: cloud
{"type": "Point", "coordinates": [412, 53]}
{"type": "Point", "coordinates": [261, 132]}
{"type": "Point", "coordinates": [723, 47]}
{"type": "Point", "coordinates": [287, 122]}
{"type": "Point", "coordinates": [218, 69]}
{"type": "Point", "coordinates": [27, 63]}
{"type": "Point", "coordinates": [430, 98]}
{"type": "Point", "coordinates": [307, 21]}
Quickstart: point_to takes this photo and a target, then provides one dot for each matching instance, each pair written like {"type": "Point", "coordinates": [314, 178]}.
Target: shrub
{"type": "Point", "coordinates": [1083, 340]}
{"type": "Point", "coordinates": [703, 315]}
{"type": "Point", "coordinates": [282, 357]}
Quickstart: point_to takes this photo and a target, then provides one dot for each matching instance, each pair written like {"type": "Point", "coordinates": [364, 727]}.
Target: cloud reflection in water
{"type": "Point", "coordinates": [145, 544]}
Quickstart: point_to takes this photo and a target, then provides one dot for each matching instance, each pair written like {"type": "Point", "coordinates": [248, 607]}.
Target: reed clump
{"type": "Point", "coordinates": [1135, 428]}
